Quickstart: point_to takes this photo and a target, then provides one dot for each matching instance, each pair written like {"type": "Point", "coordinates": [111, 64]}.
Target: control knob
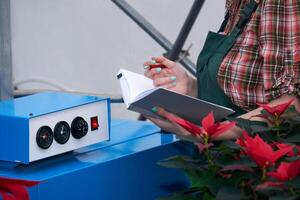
{"type": "Point", "coordinates": [62, 132]}
{"type": "Point", "coordinates": [79, 127]}
{"type": "Point", "coordinates": [44, 137]}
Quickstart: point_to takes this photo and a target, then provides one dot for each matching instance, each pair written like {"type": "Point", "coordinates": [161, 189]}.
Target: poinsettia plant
{"type": "Point", "coordinates": [15, 189]}
{"type": "Point", "coordinates": [263, 164]}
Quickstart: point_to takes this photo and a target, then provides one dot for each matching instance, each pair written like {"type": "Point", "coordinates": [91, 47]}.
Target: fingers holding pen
{"type": "Point", "coordinates": [147, 64]}
{"type": "Point", "coordinates": [161, 78]}
{"type": "Point", "coordinates": [160, 67]}
{"type": "Point", "coordinates": [155, 72]}
{"type": "Point", "coordinates": [168, 63]}
{"type": "Point", "coordinates": [161, 62]}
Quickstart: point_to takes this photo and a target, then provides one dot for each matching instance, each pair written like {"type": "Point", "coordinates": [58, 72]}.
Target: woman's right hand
{"type": "Point", "coordinates": [172, 77]}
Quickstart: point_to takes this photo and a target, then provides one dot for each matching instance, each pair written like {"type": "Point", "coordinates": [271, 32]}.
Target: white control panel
{"type": "Point", "coordinates": [67, 130]}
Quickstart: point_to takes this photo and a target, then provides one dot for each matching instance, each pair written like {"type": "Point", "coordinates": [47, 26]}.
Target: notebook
{"type": "Point", "coordinates": [140, 95]}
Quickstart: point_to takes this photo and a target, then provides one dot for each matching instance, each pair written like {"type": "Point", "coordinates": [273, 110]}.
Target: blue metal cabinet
{"type": "Point", "coordinates": [21, 118]}
{"type": "Point", "coordinates": [122, 168]}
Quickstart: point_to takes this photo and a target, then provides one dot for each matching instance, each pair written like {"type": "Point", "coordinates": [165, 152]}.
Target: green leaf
{"type": "Point", "coordinates": [296, 151]}
{"type": "Point", "coordinates": [294, 130]}
{"type": "Point", "coordinates": [259, 129]}
{"type": "Point", "coordinates": [247, 124]}
{"type": "Point", "coordinates": [230, 144]}
{"type": "Point", "coordinates": [292, 135]}
{"type": "Point", "coordinates": [293, 139]}
{"type": "Point", "coordinates": [242, 161]}
{"type": "Point", "coordinates": [291, 159]}
{"type": "Point", "coordinates": [226, 193]}
{"type": "Point", "coordinates": [291, 112]}
{"type": "Point", "coordinates": [282, 127]}
{"type": "Point", "coordinates": [208, 196]}
{"type": "Point", "coordinates": [295, 119]}
{"type": "Point", "coordinates": [199, 179]}
{"type": "Point", "coordinates": [267, 114]}
{"type": "Point", "coordinates": [237, 168]}
{"type": "Point", "coordinates": [239, 176]}
{"type": "Point", "coordinates": [291, 109]}
{"type": "Point", "coordinates": [181, 162]}
{"type": "Point", "coordinates": [195, 178]}
{"type": "Point", "coordinates": [295, 183]}
{"type": "Point", "coordinates": [268, 137]}
{"type": "Point", "coordinates": [206, 180]}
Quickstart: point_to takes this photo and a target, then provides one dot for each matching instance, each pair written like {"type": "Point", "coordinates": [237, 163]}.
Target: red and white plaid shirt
{"type": "Point", "coordinates": [264, 63]}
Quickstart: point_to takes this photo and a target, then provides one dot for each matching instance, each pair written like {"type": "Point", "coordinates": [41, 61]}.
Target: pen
{"type": "Point", "coordinates": [157, 65]}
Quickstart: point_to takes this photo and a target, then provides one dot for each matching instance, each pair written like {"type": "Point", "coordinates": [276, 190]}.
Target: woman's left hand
{"type": "Point", "coordinates": [169, 126]}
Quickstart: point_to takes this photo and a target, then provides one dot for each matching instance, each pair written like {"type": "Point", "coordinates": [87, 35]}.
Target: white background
{"type": "Point", "coordinates": [81, 44]}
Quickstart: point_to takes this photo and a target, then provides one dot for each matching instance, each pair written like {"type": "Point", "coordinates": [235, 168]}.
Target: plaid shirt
{"type": "Point", "coordinates": [264, 63]}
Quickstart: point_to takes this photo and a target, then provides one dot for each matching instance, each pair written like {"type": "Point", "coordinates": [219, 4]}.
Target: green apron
{"type": "Point", "coordinates": [210, 58]}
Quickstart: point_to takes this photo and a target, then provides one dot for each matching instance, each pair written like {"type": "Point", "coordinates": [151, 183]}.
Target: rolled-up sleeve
{"type": "Point", "coordinates": [279, 36]}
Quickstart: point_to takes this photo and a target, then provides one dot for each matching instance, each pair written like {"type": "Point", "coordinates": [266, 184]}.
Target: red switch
{"type": "Point", "coordinates": [94, 123]}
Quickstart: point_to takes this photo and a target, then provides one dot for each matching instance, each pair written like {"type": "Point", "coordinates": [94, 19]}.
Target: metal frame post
{"type": "Point", "coordinates": [185, 30]}
{"type": "Point", "coordinates": [6, 89]}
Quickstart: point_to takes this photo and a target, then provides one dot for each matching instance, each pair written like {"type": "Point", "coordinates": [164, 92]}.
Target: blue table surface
{"type": "Point", "coordinates": [127, 137]}
{"type": "Point", "coordinates": [43, 103]}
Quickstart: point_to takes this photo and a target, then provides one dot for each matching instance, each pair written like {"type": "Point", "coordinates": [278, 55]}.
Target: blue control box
{"type": "Point", "coordinates": [47, 124]}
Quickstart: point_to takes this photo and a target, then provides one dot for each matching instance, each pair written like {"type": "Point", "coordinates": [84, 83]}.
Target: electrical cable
{"type": "Point", "coordinates": [43, 81]}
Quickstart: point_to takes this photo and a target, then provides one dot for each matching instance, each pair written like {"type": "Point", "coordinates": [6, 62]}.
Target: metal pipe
{"type": "Point", "coordinates": [143, 23]}
{"type": "Point", "coordinates": [185, 30]}
{"type": "Point", "coordinates": [6, 89]}
{"type": "Point", "coordinates": [153, 32]}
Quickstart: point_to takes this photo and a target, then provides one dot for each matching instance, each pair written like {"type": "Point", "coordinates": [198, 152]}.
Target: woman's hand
{"type": "Point", "coordinates": [172, 77]}
{"type": "Point", "coordinates": [169, 126]}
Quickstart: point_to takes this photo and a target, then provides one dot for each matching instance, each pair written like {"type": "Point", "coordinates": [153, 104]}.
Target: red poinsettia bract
{"type": "Point", "coordinates": [15, 189]}
{"type": "Point", "coordinates": [212, 129]}
{"type": "Point", "coordinates": [209, 129]}
{"type": "Point", "coordinates": [277, 110]}
{"type": "Point", "coordinates": [292, 153]}
{"type": "Point", "coordinates": [260, 151]}
{"type": "Point", "coordinates": [286, 171]}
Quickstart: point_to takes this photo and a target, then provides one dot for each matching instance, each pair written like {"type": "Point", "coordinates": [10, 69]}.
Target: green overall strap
{"type": "Point", "coordinates": [211, 57]}
{"type": "Point", "coordinates": [228, 42]}
{"type": "Point", "coordinates": [224, 23]}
